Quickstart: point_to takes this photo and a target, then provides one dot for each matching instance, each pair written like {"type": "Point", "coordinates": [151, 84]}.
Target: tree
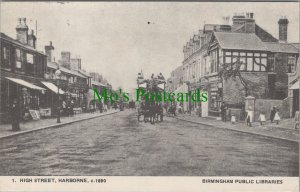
{"type": "Point", "coordinates": [229, 70]}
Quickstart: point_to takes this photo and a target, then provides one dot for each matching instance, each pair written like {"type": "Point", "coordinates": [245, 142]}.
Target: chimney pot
{"type": "Point", "coordinates": [24, 20]}
{"type": "Point", "coordinates": [251, 15]}
{"type": "Point", "coordinates": [20, 20]}
{"type": "Point", "coordinates": [50, 43]}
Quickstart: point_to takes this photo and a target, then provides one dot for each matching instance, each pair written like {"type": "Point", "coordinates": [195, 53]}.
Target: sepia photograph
{"type": "Point", "coordinates": [205, 89]}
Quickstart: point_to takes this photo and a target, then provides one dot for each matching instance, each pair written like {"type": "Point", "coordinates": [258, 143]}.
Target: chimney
{"type": "Point", "coordinates": [65, 59]}
{"type": "Point", "coordinates": [49, 52]}
{"type": "Point", "coordinates": [22, 31]}
{"type": "Point", "coordinates": [283, 24]}
{"type": "Point", "coordinates": [248, 22]}
{"type": "Point", "coordinates": [31, 39]}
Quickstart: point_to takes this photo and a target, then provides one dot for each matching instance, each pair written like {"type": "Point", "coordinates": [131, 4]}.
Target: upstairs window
{"type": "Point", "coordinates": [291, 62]}
{"type": "Point", "coordinates": [270, 64]}
{"type": "Point", "coordinates": [6, 57]}
{"type": "Point", "coordinates": [18, 59]}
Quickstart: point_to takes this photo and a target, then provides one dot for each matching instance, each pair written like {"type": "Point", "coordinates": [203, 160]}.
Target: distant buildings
{"type": "Point", "coordinates": [28, 76]}
{"type": "Point", "coordinates": [266, 63]}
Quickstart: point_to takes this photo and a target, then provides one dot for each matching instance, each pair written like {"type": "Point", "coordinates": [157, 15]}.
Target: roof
{"type": "Point", "coordinates": [54, 65]}
{"type": "Point", "coordinates": [241, 41]}
{"type": "Point", "coordinates": [11, 40]}
{"type": "Point", "coordinates": [84, 73]}
{"type": "Point", "coordinates": [297, 45]}
{"type": "Point", "coordinates": [98, 84]}
{"type": "Point", "coordinates": [281, 47]}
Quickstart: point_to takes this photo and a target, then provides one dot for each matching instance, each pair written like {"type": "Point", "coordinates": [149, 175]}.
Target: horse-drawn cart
{"type": "Point", "coordinates": [152, 111]}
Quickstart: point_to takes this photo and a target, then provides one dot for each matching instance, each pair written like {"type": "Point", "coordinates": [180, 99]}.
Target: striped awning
{"type": "Point", "coordinates": [25, 83]}
{"type": "Point", "coordinates": [53, 87]}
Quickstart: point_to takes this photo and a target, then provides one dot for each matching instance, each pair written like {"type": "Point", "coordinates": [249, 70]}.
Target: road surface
{"type": "Point", "coordinates": [120, 145]}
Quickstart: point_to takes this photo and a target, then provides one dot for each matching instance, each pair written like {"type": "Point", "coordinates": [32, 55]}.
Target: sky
{"type": "Point", "coordinates": [118, 39]}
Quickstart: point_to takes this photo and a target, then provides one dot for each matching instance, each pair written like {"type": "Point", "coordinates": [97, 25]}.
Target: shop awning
{"type": "Point", "coordinates": [295, 85]}
{"type": "Point", "coordinates": [53, 87]}
{"type": "Point", "coordinates": [25, 83]}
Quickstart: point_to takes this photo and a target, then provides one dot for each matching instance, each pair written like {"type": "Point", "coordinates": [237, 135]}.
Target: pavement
{"type": "Point", "coordinates": [31, 126]}
{"type": "Point", "coordinates": [284, 130]}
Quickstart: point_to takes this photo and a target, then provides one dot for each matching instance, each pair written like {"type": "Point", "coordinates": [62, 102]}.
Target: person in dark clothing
{"type": "Point", "coordinates": [223, 111]}
{"type": "Point", "coordinates": [272, 114]}
{"type": "Point", "coordinates": [15, 116]}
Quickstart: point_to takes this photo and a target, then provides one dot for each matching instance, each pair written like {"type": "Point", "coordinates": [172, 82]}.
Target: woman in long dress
{"type": "Point", "coordinates": [249, 118]}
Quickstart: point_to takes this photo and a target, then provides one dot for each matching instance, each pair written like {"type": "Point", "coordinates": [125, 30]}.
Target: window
{"type": "Point", "coordinates": [263, 61]}
{"type": "Point", "coordinates": [18, 55]}
{"type": "Point", "coordinates": [29, 58]}
{"type": "Point", "coordinates": [243, 63]}
{"type": "Point", "coordinates": [249, 63]}
{"type": "Point", "coordinates": [256, 64]}
{"type": "Point", "coordinates": [291, 64]}
{"type": "Point", "coordinates": [270, 64]}
{"type": "Point", "coordinates": [227, 59]}
{"type": "Point", "coordinates": [6, 57]}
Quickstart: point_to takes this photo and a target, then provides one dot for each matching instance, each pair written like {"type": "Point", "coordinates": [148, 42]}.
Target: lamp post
{"type": "Point", "coordinates": [189, 91]}
{"type": "Point", "coordinates": [57, 76]}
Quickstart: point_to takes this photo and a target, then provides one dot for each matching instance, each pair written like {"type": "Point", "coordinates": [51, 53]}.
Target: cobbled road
{"type": "Point", "coordinates": [120, 145]}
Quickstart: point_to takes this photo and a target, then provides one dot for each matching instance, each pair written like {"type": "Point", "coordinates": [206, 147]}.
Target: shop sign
{"type": "Point", "coordinates": [35, 114]}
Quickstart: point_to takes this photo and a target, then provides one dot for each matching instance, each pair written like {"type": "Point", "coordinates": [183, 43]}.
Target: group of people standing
{"type": "Point", "coordinates": [274, 115]}
{"type": "Point", "coordinates": [68, 108]}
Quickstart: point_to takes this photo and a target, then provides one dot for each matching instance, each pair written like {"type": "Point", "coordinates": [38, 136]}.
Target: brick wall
{"type": "Point", "coordinates": [234, 91]}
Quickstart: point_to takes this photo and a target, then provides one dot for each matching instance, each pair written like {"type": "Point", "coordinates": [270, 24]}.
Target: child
{"type": "Point", "coordinates": [276, 117]}
{"type": "Point", "coordinates": [262, 118]}
{"type": "Point", "coordinates": [233, 119]}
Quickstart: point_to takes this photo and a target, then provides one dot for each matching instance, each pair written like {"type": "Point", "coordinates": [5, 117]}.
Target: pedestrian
{"type": "Point", "coordinates": [296, 119]}
{"type": "Point", "coordinates": [277, 117]}
{"type": "Point", "coordinates": [272, 114]}
{"type": "Point", "coordinates": [15, 115]}
{"type": "Point", "coordinates": [64, 106]}
{"type": "Point", "coordinates": [222, 111]}
{"type": "Point", "coordinates": [262, 118]}
{"type": "Point", "coordinates": [72, 108]}
{"type": "Point", "coordinates": [105, 108]}
{"type": "Point", "coordinates": [233, 119]}
{"type": "Point", "coordinates": [249, 118]}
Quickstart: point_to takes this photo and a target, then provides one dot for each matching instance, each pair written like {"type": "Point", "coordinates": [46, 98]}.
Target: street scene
{"type": "Point", "coordinates": [149, 89]}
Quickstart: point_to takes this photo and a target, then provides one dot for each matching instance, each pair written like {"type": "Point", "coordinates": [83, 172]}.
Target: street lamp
{"type": "Point", "coordinates": [58, 76]}
{"type": "Point", "coordinates": [189, 91]}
